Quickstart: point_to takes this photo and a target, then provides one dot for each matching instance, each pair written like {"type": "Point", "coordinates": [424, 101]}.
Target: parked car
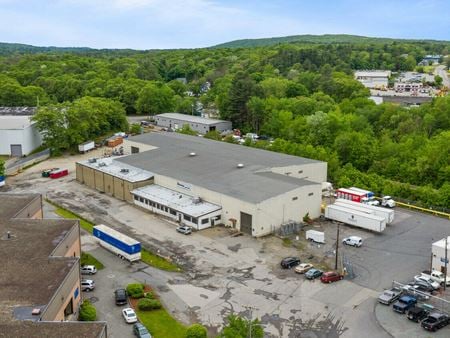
{"type": "Point", "coordinates": [330, 276]}
{"type": "Point", "coordinates": [416, 314]}
{"type": "Point", "coordinates": [415, 291]}
{"type": "Point", "coordinates": [302, 268]}
{"type": "Point", "coordinates": [184, 229]}
{"type": "Point", "coordinates": [88, 270]}
{"type": "Point", "coordinates": [289, 262]}
{"type": "Point", "coordinates": [120, 296]}
{"type": "Point", "coordinates": [435, 321]}
{"type": "Point", "coordinates": [141, 331]}
{"type": "Point", "coordinates": [404, 303]}
{"type": "Point", "coordinates": [129, 315]}
{"type": "Point", "coordinates": [353, 241]}
{"type": "Point", "coordinates": [437, 276]}
{"type": "Point", "coordinates": [427, 279]}
{"type": "Point", "coordinates": [87, 285]}
{"type": "Point", "coordinates": [313, 273]}
{"type": "Point", "coordinates": [389, 296]}
{"type": "Point", "coordinates": [423, 286]}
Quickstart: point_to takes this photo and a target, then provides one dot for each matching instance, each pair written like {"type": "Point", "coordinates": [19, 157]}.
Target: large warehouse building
{"type": "Point", "coordinates": [200, 182]}
{"type": "Point", "coordinates": [18, 134]}
{"type": "Point", "coordinates": [199, 124]}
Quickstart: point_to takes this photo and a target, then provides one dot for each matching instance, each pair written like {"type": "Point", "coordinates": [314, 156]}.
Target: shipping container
{"type": "Point", "coordinates": [86, 146]}
{"type": "Point", "coordinates": [118, 243]}
{"type": "Point", "coordinates": [59, 173]}
{"type": "Point", "coordinates": [351, 195]}
{"type": "Point", "coordinates": [114, 142]}
{"type": "Point", "coordinates": [355, 218]}
{"type": "Point", "coordinates": [368, 209]}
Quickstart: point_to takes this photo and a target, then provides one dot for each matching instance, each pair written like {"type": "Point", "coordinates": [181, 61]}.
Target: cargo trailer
{"type": "Point", "coordinates": [86, 146]}
{"type": "Point", "coordinates": [368, 209]}
{"type": "Point", "coordinates": [351, 195]}
{"type": "Point", "coordinates": [123, 246]}
{"type": "Point", "coordinates": [356, 218]}
{"type": "Point", "coordinates": [59, 173]}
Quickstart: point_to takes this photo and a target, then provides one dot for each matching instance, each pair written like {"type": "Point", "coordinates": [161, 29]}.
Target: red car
{"type": "Point", "coordinates": [330, 276]}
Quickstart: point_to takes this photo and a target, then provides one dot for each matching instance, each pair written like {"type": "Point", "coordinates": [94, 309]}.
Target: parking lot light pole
{"type": "Point", "coordinates": [446, 260]}
{"type": "Point", "coordinates": [337, 248]}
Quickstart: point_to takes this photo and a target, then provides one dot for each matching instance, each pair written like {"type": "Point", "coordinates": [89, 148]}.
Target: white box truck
{"type": "Point", "coordinates": [86, 146]}
{"type": "Point", "coordinates": [355, 218]}
{"type": "Point", "coordinates": [368, 209]}
{"type": "Point", "coordinates": [123, 246]}
{"type": "Point", "coordinates": [315, 236]}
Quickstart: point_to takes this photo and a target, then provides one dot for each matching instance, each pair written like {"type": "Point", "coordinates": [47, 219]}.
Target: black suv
{"type": "Point", "coordinates": [290, 262]}
{"type": "Point", "coordinates": [416, 314]}
{"type": "Point", "coordinates": [435, 321]}
{"type": "Point", "coordinates": [121, 296]}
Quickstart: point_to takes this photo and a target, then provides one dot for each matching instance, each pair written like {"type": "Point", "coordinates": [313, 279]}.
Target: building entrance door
{"type": "Point", "coordinates": [16, 150]}
{"type": "Point", "coordinates": [246, 223]}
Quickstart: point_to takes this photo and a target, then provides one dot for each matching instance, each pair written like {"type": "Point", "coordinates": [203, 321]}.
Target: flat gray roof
{"type": "Point", "coordinates": [190, 118]}
{"type": "Point", "coordinates": [18, 111]}
{"type": "Point", "coordinates": [214, 166]}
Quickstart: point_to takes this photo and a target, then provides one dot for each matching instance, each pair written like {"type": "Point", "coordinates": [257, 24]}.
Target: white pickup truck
{"type": "Point", "coordinates": [437, 276]}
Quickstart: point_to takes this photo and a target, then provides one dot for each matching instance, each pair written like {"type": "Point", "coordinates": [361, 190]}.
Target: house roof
{"type": "Point", "coordinates": [215, 165]}
{"type": "Point", "coordinates": [190, 118]}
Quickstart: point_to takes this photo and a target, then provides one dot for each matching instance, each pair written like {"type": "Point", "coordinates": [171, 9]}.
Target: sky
{"type": "Point", "coordinates": [158, 24]}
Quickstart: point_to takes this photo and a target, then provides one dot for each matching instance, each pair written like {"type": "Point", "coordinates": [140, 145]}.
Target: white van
{"type": "Point", "coordinates": [353, 241]}
{"type": "Point", "coordinates": [315, 236]}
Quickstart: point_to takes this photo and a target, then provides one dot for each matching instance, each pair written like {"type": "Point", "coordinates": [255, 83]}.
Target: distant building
{"type": "Point", "coordinates": [18, 133]}
{"type": "Point", "coordinates": [40, 275]}
{"type": "Point", "coordinates": [439, 253]}
{"type": "Point", "coordinates": [183, 80]}
{"type": "Point", "coordinates": [199, 124]}
{"type": "Point", "coordinates": [373, 78]}
{"type": "Point", "coordinates": [408, 86]}
{"type": "Point", "coordinates": [433, 59]}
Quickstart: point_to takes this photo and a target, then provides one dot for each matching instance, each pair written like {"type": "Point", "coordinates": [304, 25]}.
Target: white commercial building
{"type": "Point", "coordinates": [439, 254]}
{"type": "Point", "coordinates": [201, 182]}
{"type": "Point", "coordinates": [373, 78]}
{"type": "Point", "coordinates": [18, 134]}
{"type": "Point", "coordinates": [199, 124]}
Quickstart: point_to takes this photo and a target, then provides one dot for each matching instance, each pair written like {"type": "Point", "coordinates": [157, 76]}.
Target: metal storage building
{"type": "Point", "coordinates": [18, 134]}
{"type": "Point", "coordinates": [199, 124]}
{"type": "Point", "coordinates": [252, 190]}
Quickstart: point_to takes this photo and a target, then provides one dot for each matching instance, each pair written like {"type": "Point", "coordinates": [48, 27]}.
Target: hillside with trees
{"type": "Point", "coordinates": [303, 95]}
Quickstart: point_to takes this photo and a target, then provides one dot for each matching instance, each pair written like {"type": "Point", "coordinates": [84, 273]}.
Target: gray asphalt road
{"type": "Point", "coordinates": [442, 72]}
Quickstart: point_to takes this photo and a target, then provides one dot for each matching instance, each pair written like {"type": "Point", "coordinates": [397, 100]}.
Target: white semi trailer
{"type": "Point", "coordinates": [355, 218]}
{"type": "Point", "coordinates": [388, 214]}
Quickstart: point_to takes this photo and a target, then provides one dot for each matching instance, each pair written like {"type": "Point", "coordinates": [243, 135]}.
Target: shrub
{"type": "Point", "coordinates": [135, 128]}
{"type": "Point", "coordinates": [135, 290]}
{"type": "Point", "coordinates": [146, 304]}
{"type": "Point", "coordinates": [196, 331]}
{"type": "Point", "coordinates": [149, 295]}
{"type": "Point", "coordinates": [88, 313]}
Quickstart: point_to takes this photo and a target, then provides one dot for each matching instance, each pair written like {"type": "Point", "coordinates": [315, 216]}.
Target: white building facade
{"type": "Point", "coordinates": [440, 254]}
{"type": "Point", "coordinates": [375, 79]}
{"type": "Point", "coordinates": [18, 135]}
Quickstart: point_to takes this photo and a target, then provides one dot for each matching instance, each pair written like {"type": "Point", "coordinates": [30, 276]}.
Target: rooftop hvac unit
{"type": "Point", "coordinates": [102, 164]}
{"type": "Point", "coordinates": [124, 171]}
{"type": "Point", "coordinates": [192, 154]}
{"type": "Point", "coordinates": [240, 165]}
{"type": "Point", "coordinates": [92, 160]}
{"type": "Point", "coordinates": [197, 200]}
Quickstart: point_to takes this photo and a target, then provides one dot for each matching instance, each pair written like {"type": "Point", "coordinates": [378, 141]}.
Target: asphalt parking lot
{"type": "Point", "coordinates": [224, 274]}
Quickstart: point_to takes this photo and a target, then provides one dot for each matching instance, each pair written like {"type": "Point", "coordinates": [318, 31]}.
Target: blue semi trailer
{"type": "Point", "coordinates": [123, 246]}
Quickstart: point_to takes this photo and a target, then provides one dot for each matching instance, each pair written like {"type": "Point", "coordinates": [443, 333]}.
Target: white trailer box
{"type": "Point", "coordinates": [388, 214]}
{"type": "Point", "coordinates": [86, 146]}
{"type": "Point", "coordinates": [315, 236]}
{"type": "Point", "coordinates": [355, 218]}
{"type": "Point", "coordinates": [438, 251]}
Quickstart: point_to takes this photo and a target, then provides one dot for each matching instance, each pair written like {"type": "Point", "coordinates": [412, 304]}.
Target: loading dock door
{"type": "Point", "coordinates": [16, 150]}
{"type": "Point", "coordinates": [246, 223]}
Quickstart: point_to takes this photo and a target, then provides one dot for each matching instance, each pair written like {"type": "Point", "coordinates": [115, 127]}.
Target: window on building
{"type": "Point", "coordinates": [310, 194]}
{"type": "Point", "coordinates": [141, 200]}
{"type": "Point", "coordinates": [69, 308]}
{"type": "Point", "coordinates": [218, 218]}
{"type": "Point", "coordinates": [136, 198]}
{"type": "Point", "coordinates": [187, 218]}
{"type": "Point", "coordinates": [205, 221]}
{"type": "Point", "coordinates": [300, 171]}
{"type": "Point", "coordinates": [194, 220]}
{"type": "Point", "coordinates": [295, 198]}
{"type": "Point", "coordinates": [173, 212]}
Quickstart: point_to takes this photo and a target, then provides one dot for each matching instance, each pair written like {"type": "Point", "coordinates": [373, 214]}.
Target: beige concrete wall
{"type": "Point", "coordinates": [316, 172]}
{"type": "Point", "coordinates": [292, 205]}
{"type": "Point", "coordinates": [79, 172]}
{"type": "Point", "coordinates": [109, 184]}
{"type": "Point", "coordinates": [63, 295]}
{"type": "Point", "coordinates": [128, 186]}
{"type": "Point", "coordinates": [127, 144]}
{"type": "Point", "coordinates": [118, 188]}
{"type": "Point", "coordinates": [99, 182]}
{"type": "Point", "coordinates": [70, 246]}
{"type": "Point", "coordinates": [89, 177]}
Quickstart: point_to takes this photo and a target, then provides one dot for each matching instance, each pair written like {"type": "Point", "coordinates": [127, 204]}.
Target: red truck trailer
{"type": "Point", "coordinates": [350, 195]}
{"type": "Point", "coordinates": [59, 173]}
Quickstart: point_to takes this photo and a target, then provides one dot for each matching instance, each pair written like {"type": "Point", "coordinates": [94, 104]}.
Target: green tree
{"type": "Point", "coordinates": [196, 331]}
{"type": "Point", "coordinates": [2, 167]}
{"type": "Point", "coordinates": [186, 129]}
{"type": "Point", "coordinates": [154, 99]}
{"type": "Point", "coordinates": [88, 312]}
{"type": "Point", "coordinates": [135, 128]}
{"type": "Point", "coordinates": [238, 327]}
{"type": "Point", "coordinates": [438, 81]}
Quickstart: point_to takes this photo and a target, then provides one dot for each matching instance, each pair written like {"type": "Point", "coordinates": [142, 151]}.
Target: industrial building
{"type": "Point", "coordinates": [201, 183]}
{"type": "Point", "coordinates": [40, 276]}
{"type": "Point", "coordinates": [441, 255]}
{"type": "Point", "coordinates": [18, 133]}
{"type": "Point", "coordinates": [376, 79]}
{"type": "Point", "coordinates": [199, 124]}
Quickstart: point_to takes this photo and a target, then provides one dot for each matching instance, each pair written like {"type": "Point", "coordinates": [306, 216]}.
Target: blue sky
{"type": "Point", "coordinates": [146, 24]}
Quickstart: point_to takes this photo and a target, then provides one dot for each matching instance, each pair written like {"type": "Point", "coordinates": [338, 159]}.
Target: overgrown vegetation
{"type": "Point", "coordinates": [88, 259]}
{"type": "Point", "coordinates": [196, 331]}
{"type": "Point", "coordinates": [135, 290]}
{"type": "Point", "coordinates": [84, 223]}
{"type": "Point", "coordinates": [157, 261]}
{"type": "Point", "coordinates": [238, 327]}
{"type": "Point", "coordinates": [145, 304]}
{"type": "Point", "coordinates": [301, 94]}
{"type": "Point", "coordinates": [88, 312]}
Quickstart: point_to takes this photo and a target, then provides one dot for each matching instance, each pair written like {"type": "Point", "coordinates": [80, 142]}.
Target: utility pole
{"type": "Point", "coordinates": [250, 324]}
{"type": "Point", "coordinates": [446, 260]}
{"type": "Point", "coordinates": [337, 248]}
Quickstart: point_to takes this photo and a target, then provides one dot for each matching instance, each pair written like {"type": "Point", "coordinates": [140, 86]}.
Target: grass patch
{"type": "Point", "coordinates": [88, 259]}
{"type": "Point", "coordinates": [287, 242]}
{"type": "Point", "coordinates": [157, 262]}
{"type": "Point", "coordinates": [84, 223]}
{"type": "Point", "coordinates": [161, 324]}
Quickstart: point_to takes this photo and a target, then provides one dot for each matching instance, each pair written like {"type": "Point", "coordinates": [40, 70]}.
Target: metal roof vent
{"type": "Point", "coordinates": [240, 165]}
{"type": "Point", "coordinates": [124, 171]}
{"type": "Point", "coordinates": [92, 160]}
{"type": "Point", "coordinates": [7, 236]}
{"type": "Point", "coordinates": [102, 164]}
{"type": "Point", "coordinates": [192, 154]}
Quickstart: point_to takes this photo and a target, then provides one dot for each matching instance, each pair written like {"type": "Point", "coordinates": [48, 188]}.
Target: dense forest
{"type": "Point", "coordinates": [303, 95]}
